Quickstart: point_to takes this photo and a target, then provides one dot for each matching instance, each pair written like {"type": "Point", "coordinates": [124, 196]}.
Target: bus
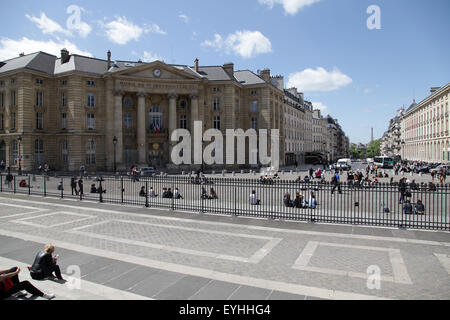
{"type": "Point", "coordinates": [384, 162]}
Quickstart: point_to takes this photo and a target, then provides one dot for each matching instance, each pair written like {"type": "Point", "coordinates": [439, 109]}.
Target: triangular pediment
{"type": "Point", "coordinates": [157, 70]}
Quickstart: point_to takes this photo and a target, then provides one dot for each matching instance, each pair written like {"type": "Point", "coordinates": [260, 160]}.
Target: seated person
{"type": "Point", "coordinates": [44, 264]}
{"type": "Point", "coordinates": [204, 194]}
{"type": "Point", "coordinates": [254, 201]}
{"type": "Point", "coordinates": [10, 284]}
{"type": "Point", "coordinates": [177, 194]}
{"type": "Point", "coordinates": [165, 193]}
{"type": "Point", "coordinates": [419, 208]}
{"type": "Point", "coordinates": [93, 188]}
{"type": "Point", "coordinates": [306, 179]}
{"type": "Point", "coordinates": [312, 201]}
{"type": "Point", "coordinates": [287, 200]}
{"type": "Point", "coordinates": [299, 179]}
{"type": "Point", "coordinates": [169, 193]}
{"type": "Point", "coordinates": [431, 186]}
{"type": "Point", "coordinates": [213, 194]}
{"type": "Point", "coordinates": [407, 207]}
{"type": "Point", "coordinates": [298, 201]}
{"type": "Point", "coordinates": [23, 184]}
{"type": "Point", "coordinates": [152, 193]}
{"type": "Point", "coordinates": [142, 192]}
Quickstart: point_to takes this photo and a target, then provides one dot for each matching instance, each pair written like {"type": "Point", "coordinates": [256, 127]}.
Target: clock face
{"type": "Point", "coordinates": [157, 72]}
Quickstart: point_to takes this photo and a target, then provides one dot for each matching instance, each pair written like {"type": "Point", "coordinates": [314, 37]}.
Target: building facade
{"type": "Point", "coordinates": [73, 110]}
{"type": "Point", "coordinates": [391, 141]}
{"type": "Point", "coordinates": [425, 128]}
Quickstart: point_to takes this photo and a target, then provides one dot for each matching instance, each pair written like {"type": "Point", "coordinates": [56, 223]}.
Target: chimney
{"type": "Point", "coordinates": [65, 57]}
{"type": "Point", "coordinates": [196, 64]}
{"type": "Point", "coordinates": [109, 60]}
{"type": "Point", "coordinates": [22, 54]}
{"type": "Point", "coordinates": [229, 69]}
{"type": "Point", "coordinates": [265, 74]}
{"type": "Point", "coordinates": [434, 89]}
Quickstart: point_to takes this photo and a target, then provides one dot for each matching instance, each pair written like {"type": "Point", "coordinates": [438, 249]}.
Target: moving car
{"type": "Point", "coordinates": [439, 167]}
{"type": "Point", "coordinates": [344, 164]}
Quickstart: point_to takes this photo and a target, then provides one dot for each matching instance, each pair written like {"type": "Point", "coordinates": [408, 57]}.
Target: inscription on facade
{"type": "Point", "coordinates": [159, 86]}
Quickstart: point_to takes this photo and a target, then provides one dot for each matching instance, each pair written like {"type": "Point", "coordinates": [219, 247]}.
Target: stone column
{"type": "Point", "coordinates": [118, 120]}
{"type": "Point", "coordinates": [109, 125]}
{"type": "Point", "coordinates": [172, 119]}
{"type": "Point", "coordinates": [141, 130]}
{"type": "Point", "coordinates": [194, 111]}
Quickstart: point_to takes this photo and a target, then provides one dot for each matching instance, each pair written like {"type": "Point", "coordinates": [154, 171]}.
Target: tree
{"type": "Point", "coordinates": [374, 149]}
{"type": "Point", "coordinates": [355, 153]}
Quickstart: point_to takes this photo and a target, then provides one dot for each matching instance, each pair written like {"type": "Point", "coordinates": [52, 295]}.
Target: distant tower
{"type": "Point", "coordinates": [371, 139]}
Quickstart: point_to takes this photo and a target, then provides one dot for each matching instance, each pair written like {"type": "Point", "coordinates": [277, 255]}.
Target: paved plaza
{"type": "Point", "coordinates": [139, 253]}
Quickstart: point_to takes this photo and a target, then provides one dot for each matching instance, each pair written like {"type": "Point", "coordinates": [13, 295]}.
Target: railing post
{"type": "Point", "coordinates": [173, 194]}
{"type": "Point", "coordinates": [29, 185]}
{"type": "Point", "coordinates": [45, 186]}
{"type": "Point", "coordinates": [146, 194]}
{"type": "Point", "coordinates": [235, 198]}
{"type": "Point", "coordinates": [14, 184]}
{"type": "Point", "coordinates": [100, 190]}
{"type": "Point", "coordinates": [121, 189]}
{"type": "Point", "coordinates": [1, 182]}
{"type": "Point", "coordinates": [62, 188]}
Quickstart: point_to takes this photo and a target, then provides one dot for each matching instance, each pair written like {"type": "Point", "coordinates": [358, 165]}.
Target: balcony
{"type": "Point", "coordinates": [156, 133]}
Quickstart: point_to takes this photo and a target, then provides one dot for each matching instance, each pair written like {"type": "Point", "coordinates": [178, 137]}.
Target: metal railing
{"type": "Point", "coordinates": [377, 205]}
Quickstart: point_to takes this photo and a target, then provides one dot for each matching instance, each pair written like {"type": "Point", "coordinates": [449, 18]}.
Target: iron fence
{"type": "Point", "coordinates": [377, 205]}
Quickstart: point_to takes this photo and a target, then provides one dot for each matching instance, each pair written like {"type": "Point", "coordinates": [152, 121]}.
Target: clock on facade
{"type": "Point", "coordinates": [157, 73]}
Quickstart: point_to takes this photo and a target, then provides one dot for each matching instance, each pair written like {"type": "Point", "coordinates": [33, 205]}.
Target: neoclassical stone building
{"type": "Point", "coordinates": [73, 110]}
{"type": "Point", "coordinates": [425, 128]}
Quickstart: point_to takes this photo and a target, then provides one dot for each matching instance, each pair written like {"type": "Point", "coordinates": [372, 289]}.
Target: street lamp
{"type": "Point", "coordinates": [115, 144]}
{"type": "Point", "coordinates": [20, 159]}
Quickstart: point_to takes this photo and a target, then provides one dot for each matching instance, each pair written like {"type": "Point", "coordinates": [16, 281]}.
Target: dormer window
{"type": "Point", "coordinates": [64, 83]}
{"type": "Point", "coordinates": [255, 92]}
{"type": "Point", "coordinates": [13, 81]}
{"type": "Point", "coordinates": [216, 89]}
{"type": "Point", "coordinates": [91, 83]}
{"type": "Point", "coordinates": [39, 81]}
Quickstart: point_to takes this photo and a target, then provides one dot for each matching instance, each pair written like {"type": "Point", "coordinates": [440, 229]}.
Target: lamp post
{"type": "Point", "coordinates": [20, 159]}
{"type": "Point", "coordinates": [115, 144]}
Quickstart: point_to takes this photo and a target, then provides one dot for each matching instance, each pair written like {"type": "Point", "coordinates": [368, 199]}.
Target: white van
{"type": "Point", "coordinates": [344, 164]}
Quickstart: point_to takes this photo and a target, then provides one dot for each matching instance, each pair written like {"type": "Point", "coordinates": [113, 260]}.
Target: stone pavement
{"type": "Point", "coordinates": [137, 253]}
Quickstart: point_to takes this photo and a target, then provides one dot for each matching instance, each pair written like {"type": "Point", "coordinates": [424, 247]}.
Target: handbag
{"type": "Point", "coordinates": [6, 285]}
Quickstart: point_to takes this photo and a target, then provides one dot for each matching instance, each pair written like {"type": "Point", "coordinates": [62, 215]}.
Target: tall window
{"type": "Point", "coordinates": [156, 119]}
{"type": "Point", "coordinates": [39, 121]}
{"type": "Point", "coordinates": [13, 121]}
{"type": "Point", "coordinates": [63, 100]}
{"type": "Point", "coordinates": [2, 120]}
{"type": "Point", "coordinates": [91, 100]}
{"type": "Point", "coordinates": [217, 122]}
{"type": "Point", "coordinates": [90, 152]}
{"type": "Point", "coordinates": [216, 104]}
{"type": "Point", "coordinates": [236, 106]}
{"type": "Point", "coordinates": [13, 98]}
{"type": "Point", "coordinates": [183, 121]}
{"type": "Point", "coordinates": [127, 102]}
{"type": "Point", "coordinates": [38, 152]}
{"type": "Point", "coordinates": [14, 151]}
{"type": "Point", "coordinates": [64, 153]}
{"type": "Point", "coordinates": [254, 106]}
{"type": "Point", "coordinates": [255, 123]}
{"type": "Point", "coordinates": [90, 121]}
{"type": "Point", "coordinates": [2, 99]}
{"type": "Point", "coordinates": [64, 121]}
{"type": "Point", "coordinates": [127, 121]}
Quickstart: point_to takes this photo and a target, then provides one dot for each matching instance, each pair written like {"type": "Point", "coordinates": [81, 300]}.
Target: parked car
{"type": "Point", "coordinates": [147, 171]}
{"type": "Point", "coordinates": [439, 167]}
{"type": "Point", "coordinates": [344, 164]}
{"type": "Point", "coordinates": [424, 169]}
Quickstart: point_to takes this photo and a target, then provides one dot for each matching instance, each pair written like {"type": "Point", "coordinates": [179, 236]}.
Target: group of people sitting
{"type": "Point", "coordinates": [300, 201]}
{"type": "Point", "coordinates": [211, 196]}
{"type": "Point", "coordinates": [166, 193]}
{"type": "Point", "coordinates": [44, 267]}
{"type": "Point", "coordinates": [418, 208]}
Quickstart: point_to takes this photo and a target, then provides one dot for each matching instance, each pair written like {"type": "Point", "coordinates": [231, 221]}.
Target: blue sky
{"type": "Point", "coordinates": [324, 47]}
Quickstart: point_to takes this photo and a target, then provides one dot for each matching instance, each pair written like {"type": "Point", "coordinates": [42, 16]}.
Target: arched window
{"type": "Point", "coordinates": [14, 152]}
{"type": "Point", "coordinates": [2, 151]}
{"type": "Point", "coordinates": [90, 152]}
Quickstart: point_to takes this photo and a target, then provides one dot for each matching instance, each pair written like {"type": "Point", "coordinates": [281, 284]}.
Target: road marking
{"type": "Point", "coordinates": [34, 210]}
{"type": "Point", "coordinates": [399, 269]}
{"type": "Point", "coordinates": [254, 259]}
{"type": "Point", "coordinates": [88, 290]}
{"type": "Point", "coordinates": [266, 229]}
{"type": "Point", "coordinates": [47, 225]}
{"type": "Point", "coordinates": [200, 272]}
{"type": "Point", "coordinates": [444, 260]}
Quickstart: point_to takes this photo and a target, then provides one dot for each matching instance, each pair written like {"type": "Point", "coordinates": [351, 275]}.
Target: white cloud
{"type": "Point", "coordinates": [318, 80]}
{"type": "Point", "coordinates": [367, 91]}
{"type": "Point", "coordinates": [121, 31]}
{"type": "Point", "coordinates": [290, 6]}
{"type": "Point", "coordinates": [12, 48]}
{"type": "Point", "coordinates": [320, 106]}
{"type": "Point", "coordinates": [150, 57]}
{"type": "Point", "coordinates": [47, 25]}
{"type": "Point", "coordinates": [245, 43]}
{"type": "Point", "coordinates": [184, 17]}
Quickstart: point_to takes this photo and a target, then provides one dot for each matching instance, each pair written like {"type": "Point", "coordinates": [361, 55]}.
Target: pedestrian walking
{"type": "Point", "coordinates": [402, 189]}
{"type": "Point", "coordinates": [80, 186]}
{"type": "Point", "coordinates": [336, 182]}
{"type": "Point", "coordinates": [73, 185]}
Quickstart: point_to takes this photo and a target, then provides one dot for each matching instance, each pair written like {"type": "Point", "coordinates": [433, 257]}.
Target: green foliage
{"type": "Point", "coordinates": [374, 149]}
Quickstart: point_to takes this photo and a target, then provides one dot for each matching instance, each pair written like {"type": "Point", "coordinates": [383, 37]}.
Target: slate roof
{"type": "Point", "coordinates": [38, 61]}
{"type": "Point", "coordinates": [246, 77]}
